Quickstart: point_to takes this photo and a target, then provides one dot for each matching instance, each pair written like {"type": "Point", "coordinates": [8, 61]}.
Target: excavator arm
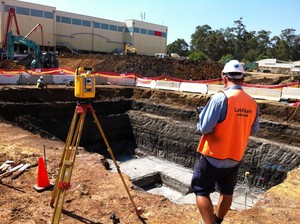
{"type": "Point", "coordinates": [11, 16]}
{"type": "Point", "coordinates": [33, 30]}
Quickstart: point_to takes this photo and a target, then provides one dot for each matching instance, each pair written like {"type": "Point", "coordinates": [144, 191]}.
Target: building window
{"type": "Point", "coordinates": [120, 29]}
{"type": "Point", "coordinates": [128, 29]}
{"type": "Point", "coordinates": [113, 27]}
{"type": "Point", "coordinates": [76, 21]}
{"type": "Point", "coordinates": [96, 25]}
{"type": "Point", "coordinates": [58, 19]}
{"type": "Point", "coordinates": [104, 26]}
{"type": "Point", "coordinates": [86, 23]}
{"type": "Point", "coordinates": [66, 20]}
{"type": "Point", "coordinates": [164, 34]}
{"type": "Point", "coordinates": [22, 11]}
{"type": "Point", "coordinates": [143, 31]}
{"type": "Point", "coordinates": [150, 32]}
{"type": "Point", "coordinates": [37, 13]}
{"type": "Point", "coordinates": [7, 7]}
{"type": "Point", "coordinates": [48, 15]}
{"type": "Point", "coordinates": [136, 30]}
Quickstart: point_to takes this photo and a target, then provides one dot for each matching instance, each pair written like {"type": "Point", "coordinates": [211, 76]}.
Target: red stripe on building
{"type": "Point", "coordinates": [157, 33]}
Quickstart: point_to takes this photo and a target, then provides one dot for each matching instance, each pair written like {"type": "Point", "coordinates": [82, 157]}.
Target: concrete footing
{"type": "Point", "coordinates": [158, 176]}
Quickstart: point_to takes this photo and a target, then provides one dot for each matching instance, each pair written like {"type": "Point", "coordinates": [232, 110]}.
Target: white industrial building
{"type": "Point", "coordinates": [273, 62]}
{"type": "Point", "coordinates": [278, 66]}
{"type": "Point", "coordinates": [66, 31]}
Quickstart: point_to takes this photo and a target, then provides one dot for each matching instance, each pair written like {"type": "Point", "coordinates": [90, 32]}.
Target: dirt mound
{"type": "Point", "coordinates": [147, 66]}
{"type": "Point", "coordinates": [269, 78]}
{"type": "Point", "coordinates": [8, 65]}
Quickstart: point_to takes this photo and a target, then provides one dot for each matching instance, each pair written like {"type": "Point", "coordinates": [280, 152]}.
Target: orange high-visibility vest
{"type": "Point", "coordinates": [230, 137]}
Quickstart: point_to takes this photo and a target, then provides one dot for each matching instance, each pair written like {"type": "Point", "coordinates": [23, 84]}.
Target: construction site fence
{"type": "Point", "coordinates": [62, 76]}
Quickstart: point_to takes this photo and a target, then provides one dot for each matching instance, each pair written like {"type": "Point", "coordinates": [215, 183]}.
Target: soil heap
{"type": "Point", "coordinates": [149, 66]}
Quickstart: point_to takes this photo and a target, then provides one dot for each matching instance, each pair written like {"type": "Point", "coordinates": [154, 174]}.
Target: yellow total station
{"type": "Point", "coordinates": [84, 83]}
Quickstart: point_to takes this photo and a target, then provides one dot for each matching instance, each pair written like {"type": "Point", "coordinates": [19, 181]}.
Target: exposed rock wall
{"type": "Point", "coordinates": [281, 132]}
{"type": "Point", "coordinates": [164, 137]}
{"type": "Point", "coordinates": [176, 140]}
{"type": "Point", "coordinates": [268, 162]}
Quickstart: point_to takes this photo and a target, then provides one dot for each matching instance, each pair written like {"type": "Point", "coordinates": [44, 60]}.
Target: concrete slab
{"type": "Point", "coordinates": [9, 79]}
{"type": "Point", "coordinates": [62, 79]}
{"type": "Point", "coordinates": [168, 85]}
{"type": "Point", "coordinates": [121, 81]}
{"type": "Point", "coordinates": [290, 93]}
{"type": "Point", "coordinates": [145, 83]}
{"type": "Point", "coordinates": [140, 167]}
{"type": "Point", "coordinates": [193, 87]}
{"type": "Point", "coordinates": [263, 93]}
{"type": "Point", "coordinates": [212, 89]}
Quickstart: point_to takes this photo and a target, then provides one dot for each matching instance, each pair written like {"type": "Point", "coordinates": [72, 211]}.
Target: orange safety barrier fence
{"type": "Point", "coordinates": [138, 77]}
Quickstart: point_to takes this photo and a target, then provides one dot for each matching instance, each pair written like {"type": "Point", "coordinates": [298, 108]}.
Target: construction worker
{"type": "Point", "coordinates": [40, 83]}
{"type": "Point", "coordinates": [226, 123]}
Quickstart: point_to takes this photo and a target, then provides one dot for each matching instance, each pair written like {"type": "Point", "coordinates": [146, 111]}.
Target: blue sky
{"type": "Point", "coordinates": [183, 16]}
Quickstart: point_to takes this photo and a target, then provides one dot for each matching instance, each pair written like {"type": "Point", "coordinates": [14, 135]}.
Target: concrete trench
{"type": "Point", "coordinates": [159, 137]}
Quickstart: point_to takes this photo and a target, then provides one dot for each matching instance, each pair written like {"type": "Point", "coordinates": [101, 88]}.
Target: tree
{"type": "Point", "coordinates": [286, 46]}
{"type": "Point", "coordinates": [240, 34]}
{"type": "Point", "coordinates": [296, 48]}
{"type": "Point", "coordinates": [179, 46]}
{"type": "Point", "coordinates": [292, 42]}
{"type": "Point", "coordinates": [230, 40]}
{"type": "Point", "coordinates": [282, 50]}
{"type": "Point", "coordinates": [263, 39]}
{"type": "Point", "coordinates": [215, 45]}
{"type": "Point", "coordinates": [226, 58]}
{"type": "Point", "coordinates": [251, 46]}
{"type": "Point", "coordinates": [244, 45]}
{"type": "Point", "coordinates": [198, 38]}
{"type": "Point", "coordinates": [198, 55]}
{"type": "Point", "coordinates": [210, 42]}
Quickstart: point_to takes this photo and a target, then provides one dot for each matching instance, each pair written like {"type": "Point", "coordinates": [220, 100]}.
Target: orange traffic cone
{"type": "Point", "coordinates": [42, 179]}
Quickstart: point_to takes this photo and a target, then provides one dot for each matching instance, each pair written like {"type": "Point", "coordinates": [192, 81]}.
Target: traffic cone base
{"type": "Point", "coordinates": [40, 189]}
{"type": "Point", "coordinates": [42, 179]}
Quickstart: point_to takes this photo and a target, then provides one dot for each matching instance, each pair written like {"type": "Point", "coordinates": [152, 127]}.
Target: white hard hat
{"type": "Point", "coordinates": [233, 66]}
{"type": "Point", "coordinates": [41, 77]}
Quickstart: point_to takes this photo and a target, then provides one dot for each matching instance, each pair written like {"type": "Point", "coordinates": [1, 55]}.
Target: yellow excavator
{"type": "Point", "coordinates": [129, 50]}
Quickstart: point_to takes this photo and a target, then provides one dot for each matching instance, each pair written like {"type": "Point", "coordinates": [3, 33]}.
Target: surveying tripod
{"type": "Point", "coordinates": [62, 182]}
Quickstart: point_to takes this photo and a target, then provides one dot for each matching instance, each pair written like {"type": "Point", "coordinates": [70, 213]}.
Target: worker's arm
{"type": "Point", "coordinates": [213, 113]}
{"type": "Point", "coordinates": [255, 125]}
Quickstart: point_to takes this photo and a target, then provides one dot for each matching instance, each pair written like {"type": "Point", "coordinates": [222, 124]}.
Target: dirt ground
{"type": "Point", "coordinates": [97, 193]}
{"type": "Point", "coordinates": [93, 198]}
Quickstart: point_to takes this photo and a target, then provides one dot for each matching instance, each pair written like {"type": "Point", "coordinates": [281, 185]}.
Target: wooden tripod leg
{"type": "Point", "coordinates": [67, 147]}
{"type": "Point", "coordinates": [64, 178]}
{"type": "Point", "coordinates": [137, 210]}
